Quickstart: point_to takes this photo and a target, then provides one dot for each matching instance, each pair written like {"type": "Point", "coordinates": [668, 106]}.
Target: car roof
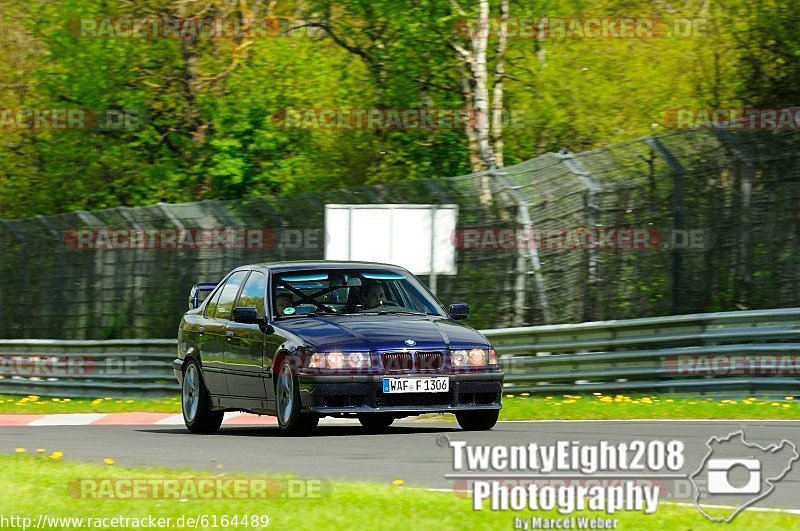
{"type": "Point", "coordinates": [305, 265]}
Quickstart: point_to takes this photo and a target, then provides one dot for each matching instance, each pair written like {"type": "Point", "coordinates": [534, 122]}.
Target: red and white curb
{"type": "Point", "coordinates": [142, 419]}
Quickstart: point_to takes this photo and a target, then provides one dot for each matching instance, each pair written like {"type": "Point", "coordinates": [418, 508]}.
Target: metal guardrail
{"type": "Point", "coordinates": [124, 368]}
{"type": "Point", "coordinates": [741, 352]}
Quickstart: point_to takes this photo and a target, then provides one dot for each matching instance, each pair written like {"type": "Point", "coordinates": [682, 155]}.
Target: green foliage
{"type": "Point", "coordinates": [208, 110]}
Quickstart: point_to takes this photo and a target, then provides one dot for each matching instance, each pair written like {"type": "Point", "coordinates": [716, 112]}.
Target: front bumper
{"type": "Point", "coordinates": [364, 394]}
{"type": "Point", "coordinates": [177, 368]}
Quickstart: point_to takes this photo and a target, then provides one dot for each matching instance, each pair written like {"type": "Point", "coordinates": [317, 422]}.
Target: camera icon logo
{"type": "Point", "coordinates": [736, 473]}
{"type": "Point", "coordinates": [719, 481]}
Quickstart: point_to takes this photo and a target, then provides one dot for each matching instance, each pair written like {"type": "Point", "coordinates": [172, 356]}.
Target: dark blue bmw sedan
{"type": "Point", "coordinates": [306, 340]}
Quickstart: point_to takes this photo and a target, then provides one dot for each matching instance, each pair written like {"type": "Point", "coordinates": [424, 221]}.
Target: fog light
{"type": "Point", "coordinates": [459, 358]}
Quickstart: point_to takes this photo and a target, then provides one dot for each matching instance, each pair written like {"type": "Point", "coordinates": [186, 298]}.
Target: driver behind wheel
{"type": "Point", "coordinates": [375, 296]}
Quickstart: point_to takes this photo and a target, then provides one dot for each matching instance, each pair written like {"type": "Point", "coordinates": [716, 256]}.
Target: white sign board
{"type": "Point", "coordinates": [417, 237]}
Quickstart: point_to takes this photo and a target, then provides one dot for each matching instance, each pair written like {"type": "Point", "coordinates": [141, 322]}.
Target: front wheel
{"type": "Point", "coordinates": [287, 399]}
{"type": "Point", "coordinates": [477, 420]}
{"type": "Point", "coordinates": [195, 402]}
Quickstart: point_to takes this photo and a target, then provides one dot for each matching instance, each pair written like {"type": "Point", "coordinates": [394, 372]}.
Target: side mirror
{"type": "Point", "coordinates": [246, 315]}
{"type": "Point", "coordinates": [197, 289]}
{"type": "Point", "coordinates": [459, 311]}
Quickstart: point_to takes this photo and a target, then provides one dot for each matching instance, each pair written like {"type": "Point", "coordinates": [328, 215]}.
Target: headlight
{"type": "Point", "coordinates": [339, 360]}
{"type": "Point", "coordinates": [335, 360]}
{"type": "Point", "coordinates": [492, 357]}
{"type": "Point", "coordinates": [477, 357]}
{"type": "Point", "coordinates": [459, 358]}
{"type": "Point", "coordinates": [317, 361]}
{"type": "Point", "coordinates": [358, 360]}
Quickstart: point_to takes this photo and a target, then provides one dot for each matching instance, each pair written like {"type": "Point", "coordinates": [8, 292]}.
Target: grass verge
{"type": "Point", "coordinates": [36, 405]}
{"type": "Point", "coordinates": [515, 407]}
{"type": "Point", "coordinates": [34, 485]}
{"type": "Point", "coordinates": [610, 407]}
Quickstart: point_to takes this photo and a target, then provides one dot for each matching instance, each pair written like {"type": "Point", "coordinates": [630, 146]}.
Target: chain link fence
{"type": "Point", "coordinates": [680, 223]}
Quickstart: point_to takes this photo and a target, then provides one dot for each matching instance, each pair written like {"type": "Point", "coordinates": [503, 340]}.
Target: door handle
{"type": "Point", "coordinates": [229, 334]}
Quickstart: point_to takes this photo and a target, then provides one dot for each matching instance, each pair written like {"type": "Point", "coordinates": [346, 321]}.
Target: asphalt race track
{"type": "Point", "coordinates": [414, 451]}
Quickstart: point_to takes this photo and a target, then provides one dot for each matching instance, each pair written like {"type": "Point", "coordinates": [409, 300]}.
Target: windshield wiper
{"type": "Point", "coordinates": [311, 314]}
{"type": "Point", "coordinates": [404, 312]}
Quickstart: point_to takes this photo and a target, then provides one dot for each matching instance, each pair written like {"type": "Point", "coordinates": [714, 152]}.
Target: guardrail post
{"type": "Point", "coordinates": [676, 254]}
{"type": "Point", "coordinates": [530, 251]}
{"type": "Point", "coordinates": [95, 314]}
{"type": "Point", "coordinates": [129, 293]}
{"type": "Point", "coordinates": [593, 188]}
{"type": "Point", "coordinates": [745, 155]}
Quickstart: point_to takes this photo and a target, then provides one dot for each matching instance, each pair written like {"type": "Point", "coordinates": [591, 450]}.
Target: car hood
{"type": "Point", "coordinates": [382, 332]}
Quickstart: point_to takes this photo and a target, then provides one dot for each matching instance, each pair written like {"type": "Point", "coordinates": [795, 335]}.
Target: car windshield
{"type": "Point", "coordinates": [350, 291]}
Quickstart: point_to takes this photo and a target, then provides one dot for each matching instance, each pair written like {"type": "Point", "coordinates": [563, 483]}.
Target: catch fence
{"type": "Point", "coordinates": [663, 225]}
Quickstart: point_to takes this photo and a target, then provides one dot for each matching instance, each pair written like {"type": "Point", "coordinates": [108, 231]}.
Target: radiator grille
{"type": "Point", "coordinates": [424, 362]}
{"type": "Point", "coordinates": [397, 361]}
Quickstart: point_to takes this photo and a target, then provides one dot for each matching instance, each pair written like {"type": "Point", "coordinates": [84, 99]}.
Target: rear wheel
{"type": "Point", "coordinates": [375, 422]}
{"type": "Point", "coordinates": [196, 403]}
{"type": "Point", "coordinates": [477, 420]}
{"type": "Point", "coordinates": [287, 400]}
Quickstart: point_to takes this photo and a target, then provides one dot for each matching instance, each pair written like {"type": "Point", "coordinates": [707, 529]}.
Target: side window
{"type": "Point", "coordinates": [253, 292]}
{"type": "Point", "coordinates": [228, 295]}
{"type": "Point", "coordinates": [212, 304]}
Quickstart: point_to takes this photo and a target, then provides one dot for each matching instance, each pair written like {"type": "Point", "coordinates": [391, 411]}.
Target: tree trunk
{"type": "Point", "coordinates": [480, 74]}
{"type": "Point", "coordinates": [497, 95]}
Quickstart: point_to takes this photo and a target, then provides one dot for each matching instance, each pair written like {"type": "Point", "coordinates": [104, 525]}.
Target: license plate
{"type": "Point", "coordinates": [416, 385]}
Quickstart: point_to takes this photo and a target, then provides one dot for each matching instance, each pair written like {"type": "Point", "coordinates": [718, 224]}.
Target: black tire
{"type": "Point", "coordinates": [291, 421]}
{"type": "Point", "coordinates": [477, 420]}
{"type": "Point", "coordinates": [196, 403]}
{"type": "Point", "coordinates": [375, 422]}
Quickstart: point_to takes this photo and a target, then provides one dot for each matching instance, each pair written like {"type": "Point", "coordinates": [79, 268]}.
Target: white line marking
{"type": "Point", "coordinates": [333, 421]}
{"type": "Point", "coordinates": [754, 509]}
{"type": "Point", "coordinates": [68, 419]}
